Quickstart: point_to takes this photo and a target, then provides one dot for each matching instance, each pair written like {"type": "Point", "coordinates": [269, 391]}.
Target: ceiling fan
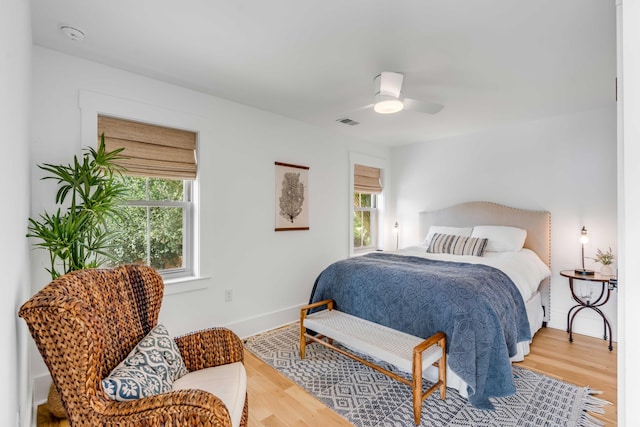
{"type": "Point", "coordinates": [388, 99]}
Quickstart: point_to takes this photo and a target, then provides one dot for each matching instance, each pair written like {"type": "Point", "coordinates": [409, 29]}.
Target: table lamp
{"type": "Point", "coordinates": [395, 229]}
{"type": "Point", "coordinates": [584, 239]}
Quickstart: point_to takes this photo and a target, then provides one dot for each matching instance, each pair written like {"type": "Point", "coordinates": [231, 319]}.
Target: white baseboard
{"type": "Point", "coordinates": [39, 390]}
{"type": "Point", "coordinates": [585, 323]}
{"type": "Point", "coordinates": [264, 322]}
{"type": "Point", "coordinates": [27, 415]}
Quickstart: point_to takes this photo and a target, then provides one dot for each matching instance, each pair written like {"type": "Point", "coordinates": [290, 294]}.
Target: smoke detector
{"type": "Point", "coordinates": [72, 33]}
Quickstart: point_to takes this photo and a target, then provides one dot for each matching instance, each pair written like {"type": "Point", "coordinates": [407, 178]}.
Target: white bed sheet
{"type": "Point", "coordinates": [523, 267]}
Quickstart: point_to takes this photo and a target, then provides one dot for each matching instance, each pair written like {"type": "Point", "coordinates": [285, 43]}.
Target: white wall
{"type": "Point", "coordinates": [15, 69]}
{"type": "Point", "coordinates": [270, 273]}
{"type": "Point", "coordinates": [629, 205]}
{"type": "Point", "coordinates": [566, 165]}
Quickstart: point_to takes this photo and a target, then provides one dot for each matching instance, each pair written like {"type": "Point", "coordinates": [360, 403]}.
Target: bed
{"type": "Point", "coordinates": [489, 306]}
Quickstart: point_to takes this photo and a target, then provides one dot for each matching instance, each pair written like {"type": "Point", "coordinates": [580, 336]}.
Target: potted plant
{"type": "Point", "coordinates": [606, 259]}
{"type": "Point", "coordinates": [77, 236]}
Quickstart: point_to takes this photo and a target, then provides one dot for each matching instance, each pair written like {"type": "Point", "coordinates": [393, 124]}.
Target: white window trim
{"type": "Point", "coordinates": [92, 104]}
{"type": "Point", "coordinates": [383, 165]}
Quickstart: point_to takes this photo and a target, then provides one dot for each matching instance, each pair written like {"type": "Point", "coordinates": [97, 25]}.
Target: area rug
{"type": "Point", "coordinates": [367, 398]}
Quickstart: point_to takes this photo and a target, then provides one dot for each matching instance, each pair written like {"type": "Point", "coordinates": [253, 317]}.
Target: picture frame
{"type": "Point", "coordinates": [291, 197]}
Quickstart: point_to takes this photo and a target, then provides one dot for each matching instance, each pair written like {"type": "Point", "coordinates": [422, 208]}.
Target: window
{"type": "Point", "coordinates": [365, 220]}
{"type": "Point", "coordinates": [157, 224]}
{"type": "Point", "coordinates": [155, 229]}
{"type": "Point", "coordinates": [366, 188]}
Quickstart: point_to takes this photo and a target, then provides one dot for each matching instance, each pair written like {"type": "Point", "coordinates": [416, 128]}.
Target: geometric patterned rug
{"type": "Point", "coordinates": [368, 398]}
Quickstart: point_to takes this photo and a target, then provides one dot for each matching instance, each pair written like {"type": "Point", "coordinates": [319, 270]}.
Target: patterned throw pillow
{"type": "Point", "coordinates": [134, 382]}
{"type": "Point", "coordinates": [456, 245]}
{"type": "Point", "coordinates": [151, 368]}
{"type": "Point", "coordinates": [158, 343]}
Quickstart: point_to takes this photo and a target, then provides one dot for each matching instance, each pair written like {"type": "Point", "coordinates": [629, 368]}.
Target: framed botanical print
{"type": "Point", "coordinates": [292, 197]}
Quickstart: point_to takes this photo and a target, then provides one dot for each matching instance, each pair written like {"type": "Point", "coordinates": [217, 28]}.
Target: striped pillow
{"type": "Point", "coordinates": [457, 245]}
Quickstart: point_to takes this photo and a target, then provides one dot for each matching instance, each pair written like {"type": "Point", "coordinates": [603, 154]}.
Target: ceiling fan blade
{"type": "Point", "coordinates": [388, 83]}
{"type": "Point", "coordinates": [358, 109]}
{"type": "Point", "coordinates": [422, 106]}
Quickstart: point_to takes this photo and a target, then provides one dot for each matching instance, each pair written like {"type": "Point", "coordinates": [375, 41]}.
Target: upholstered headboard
{"type": "Point", "coordinates": [537, 224]}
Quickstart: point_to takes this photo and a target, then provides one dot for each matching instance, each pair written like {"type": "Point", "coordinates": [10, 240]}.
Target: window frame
{"type": "Point", "coordinates": [382, 164]}
{"type": "Point", "coordinates": [373, 224]}
{"type": "Point", "coordinates": [93, 103]}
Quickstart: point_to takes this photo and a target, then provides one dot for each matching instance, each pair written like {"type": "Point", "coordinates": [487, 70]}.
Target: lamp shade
{"type": "Point", "coordinates": [584, 236]}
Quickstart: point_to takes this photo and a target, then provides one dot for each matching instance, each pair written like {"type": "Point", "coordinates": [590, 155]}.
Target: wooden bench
{"type": "Point", "coordinates": [407, 352]}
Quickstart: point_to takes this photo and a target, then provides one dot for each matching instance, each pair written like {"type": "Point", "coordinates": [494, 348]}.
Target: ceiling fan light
{"type": "Point", "coordinates": [388, 106]}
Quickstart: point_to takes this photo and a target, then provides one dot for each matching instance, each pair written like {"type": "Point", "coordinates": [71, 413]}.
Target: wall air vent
{"type": "Point", "coordinates": [348, 121]}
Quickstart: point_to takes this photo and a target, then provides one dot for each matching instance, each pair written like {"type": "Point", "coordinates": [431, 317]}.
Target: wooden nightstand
{"type": "Point", "coordinates": [587, 303]}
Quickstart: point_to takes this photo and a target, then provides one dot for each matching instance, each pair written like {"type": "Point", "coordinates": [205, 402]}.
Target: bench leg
{"type": "Point", "coordinates": [442, 374]}
{"type": "Point", "coordinates": [417, 390]}
{"type": "Point", "coordinates": [418, 397]}
{"type": "Point", "coordinates": [417, 385]}
{"type": "Point", "coordinates": [442, 368]}
{"type": "Point", "coordinates": [303, 315]}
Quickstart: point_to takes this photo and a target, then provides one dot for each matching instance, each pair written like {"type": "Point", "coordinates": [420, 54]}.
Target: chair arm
{"type": "Point", "coordinates": [210, 347]}
{"type": "Point", "coordinates": [182, 407]}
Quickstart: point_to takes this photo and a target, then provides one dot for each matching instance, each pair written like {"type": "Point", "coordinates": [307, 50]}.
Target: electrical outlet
{"type": "Point", "coordinates": [228, 295]}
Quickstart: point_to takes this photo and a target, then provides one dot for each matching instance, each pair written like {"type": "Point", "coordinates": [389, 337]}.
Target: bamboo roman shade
{"type": "Point", "coordinates": [366, 180]}
{"type": "Point", "coordinates": [150, 150]}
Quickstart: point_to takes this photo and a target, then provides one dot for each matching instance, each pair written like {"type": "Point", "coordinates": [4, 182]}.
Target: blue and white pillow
{"type": "Point", "coordinates": [158, 345]}
{"type": "Point", "coordinates": [134, 382]}
{"type": "Point", "coordinates": [150, 368]}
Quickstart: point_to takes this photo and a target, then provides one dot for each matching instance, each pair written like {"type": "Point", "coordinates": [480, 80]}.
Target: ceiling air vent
{"type": "Point", "coordinates": [348, 121]}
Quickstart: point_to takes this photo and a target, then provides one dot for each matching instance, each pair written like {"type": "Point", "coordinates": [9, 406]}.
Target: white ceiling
{"type": "Point", "coordinates": [490, 62]}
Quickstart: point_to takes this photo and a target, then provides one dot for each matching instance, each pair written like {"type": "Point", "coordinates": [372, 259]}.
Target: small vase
{"type": "Point", "coordinates": [606, 270]}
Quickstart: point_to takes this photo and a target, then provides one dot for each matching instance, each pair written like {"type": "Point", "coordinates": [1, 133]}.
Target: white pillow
{"type": "Point", "coordinates": [440, 229]}
{"type": "Point", "coordinates": [501, 238]}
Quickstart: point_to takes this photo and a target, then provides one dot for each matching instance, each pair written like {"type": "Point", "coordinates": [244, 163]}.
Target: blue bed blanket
{"type": "Point", "coordinates": [478, 308]}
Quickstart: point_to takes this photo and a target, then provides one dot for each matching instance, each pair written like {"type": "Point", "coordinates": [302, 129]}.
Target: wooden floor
{"type": "Point", "coordinates": [275, 401]}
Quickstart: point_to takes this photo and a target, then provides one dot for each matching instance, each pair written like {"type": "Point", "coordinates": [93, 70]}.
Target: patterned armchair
{"type": "Point", "coordinates": [86, 322]}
